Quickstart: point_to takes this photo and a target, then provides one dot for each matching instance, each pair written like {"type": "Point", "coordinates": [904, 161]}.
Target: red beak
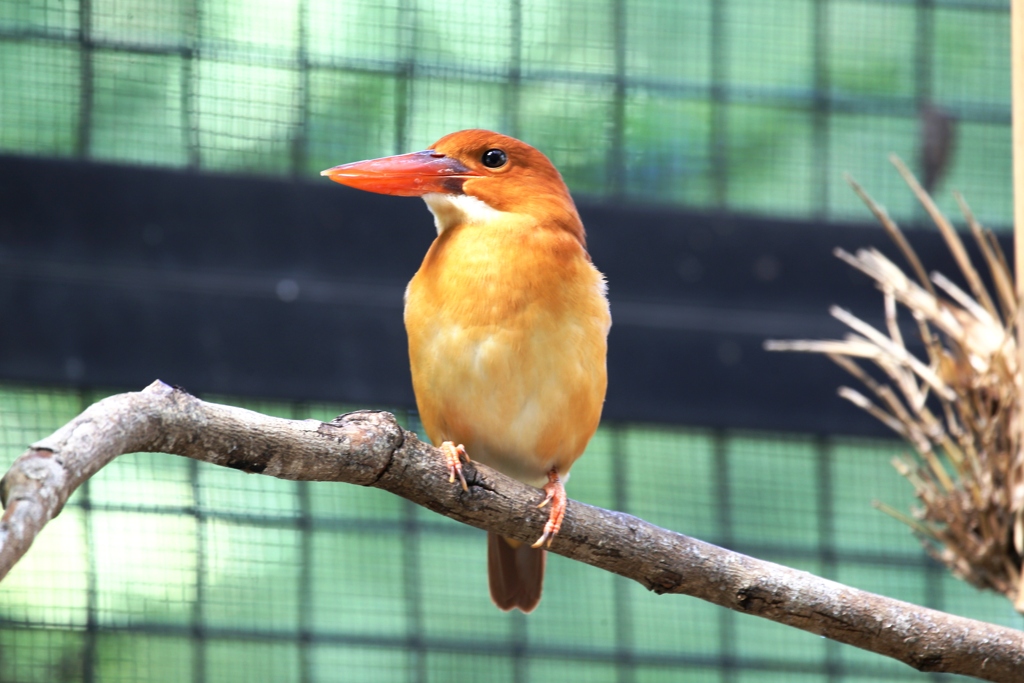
{"type": "Point", "coordinates": [405, 175]}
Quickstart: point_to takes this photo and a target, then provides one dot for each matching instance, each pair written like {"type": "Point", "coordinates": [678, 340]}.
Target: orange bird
{"type": "Point", "coordinates": [508, 324]}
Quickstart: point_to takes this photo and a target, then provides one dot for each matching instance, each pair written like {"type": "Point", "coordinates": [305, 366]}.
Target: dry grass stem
{"type": "Point", "coordinates": [951, 394]}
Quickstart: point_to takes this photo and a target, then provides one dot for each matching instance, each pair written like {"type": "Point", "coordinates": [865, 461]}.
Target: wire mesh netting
{"type": "Point", "coordinates": [164, 569]}
{"type": "Point", "coordinates": [745, 105]}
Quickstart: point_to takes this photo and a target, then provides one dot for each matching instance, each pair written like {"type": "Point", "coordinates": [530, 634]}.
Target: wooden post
{"type": "Point", "coordinates": [1017, 71]}
{"type": "Point", "coordinates": [1017, 87]}
{"type": "Point", "coordinates": [1017, 76]}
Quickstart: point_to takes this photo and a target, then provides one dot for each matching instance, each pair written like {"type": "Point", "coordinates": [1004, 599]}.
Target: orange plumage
{"type": "Point", "coordinates": [507, 321]}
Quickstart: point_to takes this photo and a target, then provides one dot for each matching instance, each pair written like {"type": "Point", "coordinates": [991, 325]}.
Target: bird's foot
{"type": "Point", "coordinates": [453, 456]}
{"type": "Point", "coordinates": [555, 491]}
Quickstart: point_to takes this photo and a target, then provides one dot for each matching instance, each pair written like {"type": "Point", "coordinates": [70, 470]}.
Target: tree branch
{"type": "Point", "coordinates": [369, 448]}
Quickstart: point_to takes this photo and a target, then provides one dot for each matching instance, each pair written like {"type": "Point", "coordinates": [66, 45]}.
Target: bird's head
{"type": "Point", "coordinates": [471, 177]}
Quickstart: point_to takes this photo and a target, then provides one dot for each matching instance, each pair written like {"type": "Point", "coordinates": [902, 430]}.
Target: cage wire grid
{"type": "Point", "coordinates": [742, 105]}
{"type": "Point", "coordinates": [164, 569]}
{"type": "Point", "coordinates": [161, 569]}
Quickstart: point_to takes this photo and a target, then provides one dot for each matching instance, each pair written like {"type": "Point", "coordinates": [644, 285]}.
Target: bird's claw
{"type": "Point", "coordinates": [555, 491]}
{"type": "Point", "coordinates": [453, 456]}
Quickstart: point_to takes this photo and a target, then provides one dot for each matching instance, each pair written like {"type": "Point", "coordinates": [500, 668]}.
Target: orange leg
{"type": "Point", "coordinates": [555, 491]}
{"type": "Point", "coordinates": [453, 456]}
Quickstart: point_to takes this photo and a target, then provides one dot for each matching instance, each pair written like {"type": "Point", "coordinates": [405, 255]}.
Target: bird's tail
{"type": "Point", "coordinates": [515, 572]}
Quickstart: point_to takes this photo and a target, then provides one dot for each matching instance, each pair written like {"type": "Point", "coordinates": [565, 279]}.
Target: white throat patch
{"type": "Point", "coordinates": [456, 209]}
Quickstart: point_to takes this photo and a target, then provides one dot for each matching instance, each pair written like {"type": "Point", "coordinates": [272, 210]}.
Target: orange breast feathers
{"type": "Point", "coordinates": [508, 322]}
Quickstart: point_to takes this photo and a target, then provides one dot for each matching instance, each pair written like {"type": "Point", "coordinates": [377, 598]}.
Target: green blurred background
{"type": "Point", "coordinates": [747, 105]}
{"type": "Point", "coordinates": [162, 569]}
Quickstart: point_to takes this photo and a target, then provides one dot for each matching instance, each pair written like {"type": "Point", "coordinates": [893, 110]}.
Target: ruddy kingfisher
{"type": "Point", "coordinates": [508, 323]}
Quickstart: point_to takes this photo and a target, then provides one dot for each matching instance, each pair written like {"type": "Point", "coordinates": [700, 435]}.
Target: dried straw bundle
{"type": "Point", "coordinates": [959, 409]}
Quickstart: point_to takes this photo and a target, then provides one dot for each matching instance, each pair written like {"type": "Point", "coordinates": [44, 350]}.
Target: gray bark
{"type": "Point", "coordinates": [369, 448]}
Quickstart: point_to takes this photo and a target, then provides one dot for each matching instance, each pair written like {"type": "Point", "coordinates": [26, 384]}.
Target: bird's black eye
{"type": "Point", "coordinates": [494, 158]}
